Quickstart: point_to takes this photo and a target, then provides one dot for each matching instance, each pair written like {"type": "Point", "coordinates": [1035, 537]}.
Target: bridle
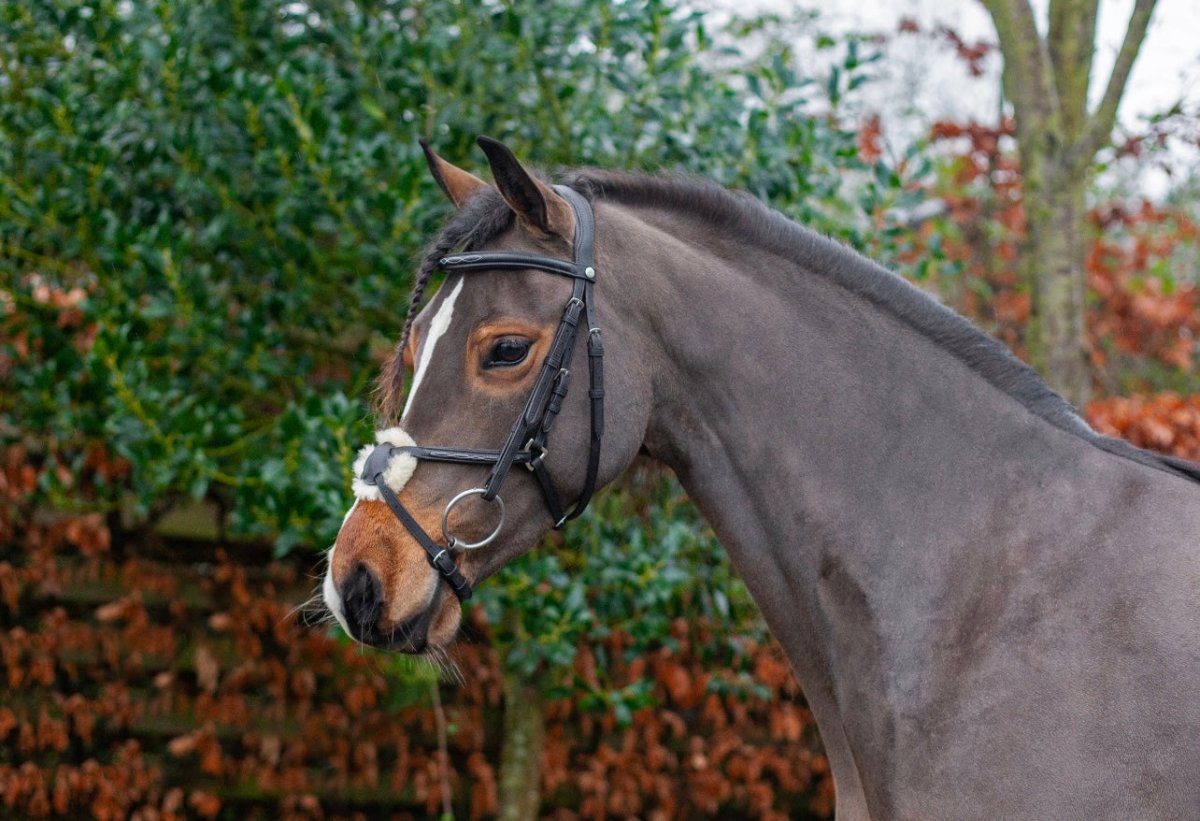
{"type": "Point", "coordinates": [526, 443]}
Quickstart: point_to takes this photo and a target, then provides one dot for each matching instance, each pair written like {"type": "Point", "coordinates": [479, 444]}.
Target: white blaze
{"type": "Point", "coordinates": [438, 327]}
{"type": "Point", "coordinates": [401, 466]}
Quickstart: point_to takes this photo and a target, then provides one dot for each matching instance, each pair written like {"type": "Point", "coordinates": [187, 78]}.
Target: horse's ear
{"type": "Point", "coordinates": [457, 184]}
{"type": "Point", "coordinates": [536, 204]}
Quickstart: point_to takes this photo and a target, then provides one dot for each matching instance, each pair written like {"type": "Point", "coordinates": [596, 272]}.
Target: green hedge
{"type": "Point", "coordinates": [238, 190]}
{"type": "Point", "coordinates": [209, 213]}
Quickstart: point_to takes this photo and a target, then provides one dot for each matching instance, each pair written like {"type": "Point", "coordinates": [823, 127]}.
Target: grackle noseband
{"type": "Point", "coordinates": [526, 443]}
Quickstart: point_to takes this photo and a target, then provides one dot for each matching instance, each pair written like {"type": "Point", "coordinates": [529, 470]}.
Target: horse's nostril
{"type": "Point", "coordinates": [362, 600]}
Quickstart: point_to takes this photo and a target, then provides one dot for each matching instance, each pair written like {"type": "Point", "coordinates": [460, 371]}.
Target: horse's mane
{"type": "Point", "coordinates": [756, 224]}
{"type": "Point", "coordinates": [486, 216]}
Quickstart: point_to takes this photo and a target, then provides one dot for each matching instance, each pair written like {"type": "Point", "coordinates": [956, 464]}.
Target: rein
{"type": "Point", "coordinates": [526, 443]}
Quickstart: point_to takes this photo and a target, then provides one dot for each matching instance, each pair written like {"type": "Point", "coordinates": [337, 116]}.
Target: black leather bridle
{"type": "Point", "coordinates": [526, 443]}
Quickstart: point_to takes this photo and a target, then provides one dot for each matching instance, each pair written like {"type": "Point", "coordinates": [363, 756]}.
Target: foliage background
{"type": "Point", "coordinates": [209, 214]}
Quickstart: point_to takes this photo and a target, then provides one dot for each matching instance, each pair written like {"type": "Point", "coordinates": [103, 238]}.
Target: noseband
{"type": "Point", "coordinates": [526, 443]}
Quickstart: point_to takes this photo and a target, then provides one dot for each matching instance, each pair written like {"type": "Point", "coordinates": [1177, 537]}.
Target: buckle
{"type": "Point", "coordinates": [442, 562]}
{"type": "Point", "coordinates": [538, 455]}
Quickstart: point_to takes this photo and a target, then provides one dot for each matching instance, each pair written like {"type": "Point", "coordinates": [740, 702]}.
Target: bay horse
{"type": "Point", "coordinates": [991, 609]}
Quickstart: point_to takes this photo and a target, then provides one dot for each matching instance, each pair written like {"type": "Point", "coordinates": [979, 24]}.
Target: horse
{"type": "Point", "coordinates": [990, 608]}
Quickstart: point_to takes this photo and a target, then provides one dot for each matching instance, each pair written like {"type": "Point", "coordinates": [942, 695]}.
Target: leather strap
{"type": "Point", "coordinates": [438, 556]}
{"type": "Point", "coordinates": [462, 456]}
{"type": "Point", "coordinates": [509, 260]}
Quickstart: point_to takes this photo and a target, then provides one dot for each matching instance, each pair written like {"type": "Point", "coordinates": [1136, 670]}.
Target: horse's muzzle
{"type": "Point", "coordinates": [363, 608]}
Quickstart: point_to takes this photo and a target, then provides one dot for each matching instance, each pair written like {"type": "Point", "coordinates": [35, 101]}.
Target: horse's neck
{"type": "Point", "coordinates": [807, 421]}
{"type": "Point", "coordinates": [850, 466]}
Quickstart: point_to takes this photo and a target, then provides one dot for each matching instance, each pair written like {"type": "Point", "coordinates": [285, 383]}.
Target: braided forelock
{"type": "Point", "coordinates": [484, 217]}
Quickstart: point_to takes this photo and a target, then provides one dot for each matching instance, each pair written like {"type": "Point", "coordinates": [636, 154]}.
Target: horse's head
{"type": "Point", "coordinates": [498, 439]}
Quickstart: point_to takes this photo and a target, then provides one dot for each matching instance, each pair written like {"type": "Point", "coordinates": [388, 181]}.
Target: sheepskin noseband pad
{"type": "Point", "coordinates": [399, 470]}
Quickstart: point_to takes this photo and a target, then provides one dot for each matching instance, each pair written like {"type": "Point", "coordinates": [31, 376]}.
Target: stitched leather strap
{"type": "Point", "coordinates": [462, 456]}
{"type": "Point", "coordinates": [509, 260]}
{"type": "Point", "coordinates": [520, 433]}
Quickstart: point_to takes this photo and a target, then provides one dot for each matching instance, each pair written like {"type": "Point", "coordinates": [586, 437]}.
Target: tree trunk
{"type": "Point", "coordinates": [1054, 263]}
{"type": "Point", "coordinates": [1046, 77]}
{"type": "Point", "coordinates": [521, 757]}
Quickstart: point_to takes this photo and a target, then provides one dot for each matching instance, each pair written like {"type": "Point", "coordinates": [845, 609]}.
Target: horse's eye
{"type": "Point", "coordinates": [507, 352]}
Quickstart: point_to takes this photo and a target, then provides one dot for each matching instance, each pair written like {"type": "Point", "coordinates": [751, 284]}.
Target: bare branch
{"type": "Point", "coordinates": [1100, 124]}
{"type": "Point", "coordinates": [1071, 44]}
{"type": "Point", "coordinates": [1028, 72]}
